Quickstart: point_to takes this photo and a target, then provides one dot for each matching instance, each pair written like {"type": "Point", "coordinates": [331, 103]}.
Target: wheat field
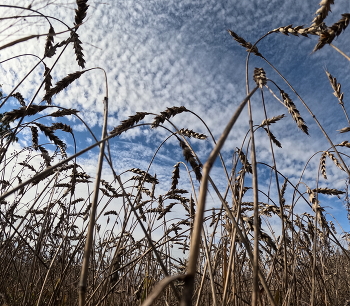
{"type": "Point", "coordinates": [69, 237]}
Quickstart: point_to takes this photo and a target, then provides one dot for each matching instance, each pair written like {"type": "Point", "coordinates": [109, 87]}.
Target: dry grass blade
{"type": "Point", "coordinates": [49, 41]}
{"type": "Point", "coordinates": [273, 138]}
{"type": "Point", "coordinates": [244, 43]}
{"type": "Point", "coordinates": [327, 36]}
{"type": "Point", "coordinates": [323, 165]}
{"type": "Point", "coordinates": [167, 114]}
{"type": "Point", "coordinates": [128, 123]}
{"type": "Point", "coordinates": [190, 133]}
{"type": "Point", "coordinates": [78, 49]}
{"type": "Point", "coordinates": [322, 12]}
{"type": "Point", "coordinates": [272, 120]}
{"type": "Point", "coordinates": [330, 191]}
{"type": "Point", "coordinates": [336, 87]}
{"type": "Point", "coordinates": [294, 112]}
{"type": "Point", "coordinates": [70, 78]}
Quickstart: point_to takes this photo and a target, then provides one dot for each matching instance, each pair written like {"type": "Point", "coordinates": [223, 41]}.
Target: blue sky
{"type": "Point", "coordinates": [159, 54]}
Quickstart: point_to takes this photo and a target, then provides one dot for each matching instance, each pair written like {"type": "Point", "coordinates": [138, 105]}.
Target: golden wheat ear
{"type": "Point", "coordinates": [327, 36]}
{"type": "Point", "coordinates": [322, 12]}
{"type": "Point", "coordinates": [294, 112]}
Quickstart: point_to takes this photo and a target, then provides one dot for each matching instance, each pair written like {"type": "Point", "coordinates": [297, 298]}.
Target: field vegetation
{"type": "Point", "coordinates": [70, 238]}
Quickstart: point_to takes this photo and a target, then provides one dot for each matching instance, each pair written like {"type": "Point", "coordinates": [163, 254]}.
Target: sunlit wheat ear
{"type": "Point", "coordinates": [78, 49]}
{"type": "Point", "coordinates": [296, 31]}
{"type": "Point", "coordinates": [64, 112]}
{"type": "Point", "coordinates": [190, 133]}
{"type": "Point", "coordinates": [344, 143]}
{"type": "Point", "coordinates": [330, 191]}
{"type": "Point", "coordinates": [322, 12]}
{"type": "Point", "coordinates": [259, 77]}
{"type": "Point", "coordinates": [21, 112]}
{"type": "Point", "coordinates": [327, 36]}
{"type": "Point", "coordinates": [244, 43]}
{"type": "Point", "coordinates": [69, 79]}
{"type": "Point", "coordinates": [269, 121]}
{"type": "Point", "coordinates": [175, 177]}
{"type": "Point", "coordinates": [246, 165]}
{"type": "Point", "coordinates": [273, 138]}
{"type": "Point", "coordinates": [49, 40]}
{"type": "Point", "coordinates": [294, 112]}
{"type": "Point", "coordinates": [189, 157]}
{"type": "Point", "coordinates": [48, 82]}
{"type": "Point", "coordinates": [20, 98]}
{"type": "Point", "coordinates": [335, 161]}
{"type": "Point", "coordinates": [336, 87]}
{"type": "Point", "coordinates": [167, 114]}
{"type": "Point", "coordinates": [344, 130]}
{"type": "Point", "coordinates": [125, 124]}
{"type": "Point", "coordinates": [323, 165]}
